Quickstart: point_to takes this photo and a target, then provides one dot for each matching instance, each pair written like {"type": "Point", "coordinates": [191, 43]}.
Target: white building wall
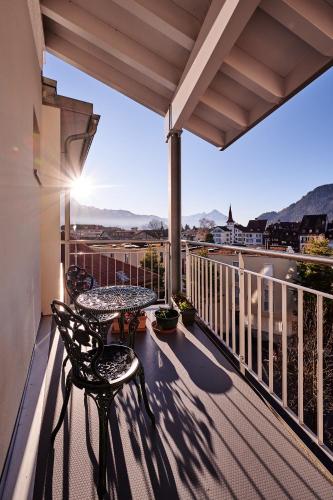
{"type": "Point", "coordinates": [50, 206]}
{"type": "Point", "coordinates": [20, 303]}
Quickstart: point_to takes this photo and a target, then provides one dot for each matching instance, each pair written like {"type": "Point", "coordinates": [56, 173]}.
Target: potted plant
{"type": "Point", "coordinates": [185, 307]}
{"type": "Point", "coordinates": [166, 319]}
{"type": "Point", "coordinates": [141, 327]}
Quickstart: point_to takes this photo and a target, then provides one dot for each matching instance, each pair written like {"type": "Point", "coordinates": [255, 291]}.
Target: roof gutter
{"type": "Point", "coordinates": [87, 137]}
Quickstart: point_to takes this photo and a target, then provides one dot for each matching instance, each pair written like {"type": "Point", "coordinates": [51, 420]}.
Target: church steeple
{"type": "Point", "coordinates": [230, 219]}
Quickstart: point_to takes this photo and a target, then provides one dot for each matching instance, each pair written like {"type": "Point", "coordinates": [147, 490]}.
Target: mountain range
{"type": "Point", "coordinates": [317, 201]}
{"type": "Point", "coordinates": [82, 214]}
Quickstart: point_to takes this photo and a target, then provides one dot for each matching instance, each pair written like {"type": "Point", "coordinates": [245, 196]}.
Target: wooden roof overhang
{"type": "Point", "coordinates": [213, 67]}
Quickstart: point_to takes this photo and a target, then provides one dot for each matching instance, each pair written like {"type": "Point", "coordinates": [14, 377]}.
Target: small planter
{"type": "Point", "coordinates": [185, 308]}
{"type": "Point", "coordinates": [141, 327]}
{"type": "Point", "coordinates": [166, 319]}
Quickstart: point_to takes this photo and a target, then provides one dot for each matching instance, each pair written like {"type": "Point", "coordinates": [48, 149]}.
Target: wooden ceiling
{"type": "Point", "coordinates": [213, 67]}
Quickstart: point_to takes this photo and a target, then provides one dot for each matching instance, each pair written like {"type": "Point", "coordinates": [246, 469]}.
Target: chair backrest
{"type": "Point", "coordinates": [84, 346]}
{"type": "Point", "coordinates": [77, 280]}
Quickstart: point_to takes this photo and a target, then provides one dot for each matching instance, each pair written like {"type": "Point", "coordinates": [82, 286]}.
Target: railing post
{"type": "Point", "coordinates": [241, 312]}
{"type": "Point", "coordinates": [188, 272]}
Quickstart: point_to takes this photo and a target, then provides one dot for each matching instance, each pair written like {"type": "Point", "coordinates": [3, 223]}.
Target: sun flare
{"type": "Point", "coordinates": [81, 188]}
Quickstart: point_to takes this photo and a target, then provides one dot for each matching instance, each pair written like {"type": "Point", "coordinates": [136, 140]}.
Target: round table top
{"type": "Point", "coordinates": [109, 299]}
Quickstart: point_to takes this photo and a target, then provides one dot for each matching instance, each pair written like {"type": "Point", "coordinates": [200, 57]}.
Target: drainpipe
{"type": "Point", "coordinates": [72, 138]}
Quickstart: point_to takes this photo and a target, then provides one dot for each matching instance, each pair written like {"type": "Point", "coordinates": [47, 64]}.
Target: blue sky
{"type": "Point", "coordinates": [273, 165]}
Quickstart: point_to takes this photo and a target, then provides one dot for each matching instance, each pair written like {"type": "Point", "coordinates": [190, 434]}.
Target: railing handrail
{"type": "Point", "coordinates": [112, 242]}
{"type": "Point", "coordinates": [314, 259]}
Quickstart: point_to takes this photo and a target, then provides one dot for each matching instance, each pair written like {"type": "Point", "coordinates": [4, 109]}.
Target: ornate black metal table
{"type": "Point", "coordinates": [118, 299]}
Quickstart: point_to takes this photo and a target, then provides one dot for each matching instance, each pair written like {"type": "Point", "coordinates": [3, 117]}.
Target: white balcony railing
{"type": "Point", "coordinates": [144, 263]}
{"type": "Point", "coordinates": [279, 331]}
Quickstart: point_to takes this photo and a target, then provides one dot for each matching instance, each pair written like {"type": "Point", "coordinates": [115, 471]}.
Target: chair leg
{"type": "Point", "coordinates": [137, 385]}
{"type": "Point", "coordinates": [63, 409]}
{"type": "Point", "coordinates": [65, 362]}
{"type": "Point", "coordinates": [145, 397]}
{"type": "Point", "coordinates": [103, 403]}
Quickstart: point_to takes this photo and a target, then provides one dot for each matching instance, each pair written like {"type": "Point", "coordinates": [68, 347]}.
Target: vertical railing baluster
{"type": "Point", "coordinates": [100, 269]}
{"type": "Point", "coordinates": [130, 264]}
{"type": "Point", "coordinates": [259, 334]}
{"type": "Point", "coordinates": [158, 273]}
{"type": "Point", "coordinates": [137, 268]}
{"type": "Point", "coordinates": [210, 293]}
{"type": "Point", "coordinates": [144, 269]}
{"type": "Point", "coordinates": [270, 336]}
{"type": "Point", "coordinates": [84, 260]}
{"type": "Point", "coordinates": [233, 310]}
{"type": "Point", "coordinates": [202, 288]}
{"type": "Point", "coordinates": [241, 310]}
{"type": "Point", "coordinates": [194, 281]}
{"type": "Point", "coordinates": [215, 299]}
{"type": "Point", "coordinates": [207, 291]}
{"type": "Point", "coordinates": [227, 312]}
{"type": "Point", "coordinates": [152, 253]}
{"type": "Point", "coordinates": [300, 355]}
{"type": "Point", "coordinates": [249, 321]}
{"type": "Point", "coordinates": [221, 301]}
{"type": "Point", "coordinates": [187, 272]}
{"type": "Point", "coordinates": [320, 374]}
{"type": "Point", "coordinates": [192, 278]}
{"type": "Point", "coordinates": [284, 348]}
{"type": "Point", "coordinates": [107, 269]}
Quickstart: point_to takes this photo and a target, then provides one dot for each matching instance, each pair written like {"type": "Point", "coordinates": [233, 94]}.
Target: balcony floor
{"type": "Point", "coordinates": [215, 438]}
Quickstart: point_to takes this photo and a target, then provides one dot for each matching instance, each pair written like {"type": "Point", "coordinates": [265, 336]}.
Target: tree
{"type": "Point", "coordinates": [152, 263]}
{"type": "Point", "coordinates": [209, 238]}
{"type": "Point", "coordinates": [206, 225]}
{"type": "Point", "coordinates": [318, 277]}
{"type": "Point", "coordinates": [156, 228]}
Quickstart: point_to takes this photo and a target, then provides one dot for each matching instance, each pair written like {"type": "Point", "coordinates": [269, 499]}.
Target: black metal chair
{"type": "Point", "coordinates": [101, 370]}
{"type": "Point", "coordinates": [78, 280]}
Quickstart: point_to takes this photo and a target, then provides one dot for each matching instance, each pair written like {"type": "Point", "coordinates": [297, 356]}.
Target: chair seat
{"type": "Point", "coordinates": [117, 364]}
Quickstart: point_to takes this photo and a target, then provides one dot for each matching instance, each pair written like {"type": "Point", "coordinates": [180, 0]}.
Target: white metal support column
{"type": "Point", "coordinates": [174, 220]}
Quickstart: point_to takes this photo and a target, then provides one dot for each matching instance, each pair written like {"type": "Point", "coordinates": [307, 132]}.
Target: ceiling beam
{"type": "Point", "coordinates": [254, 75]}
{"type": "Point", "coordinates": [166, 18]}
{"type": "Point", "coordinates": [205, 130]}
{"type": "Point", "coordinates": [234, 114]}
{"type": "Point", "coordinates": [111, 41]}
{"type": "Point", "coordinates": [105, 73]}
{"type": "Point", "coordinates": [113, 78]}
{"type": "Point", "coordinates": [310, 20]}
{"type": "Point", "coordinates": [225, 27]}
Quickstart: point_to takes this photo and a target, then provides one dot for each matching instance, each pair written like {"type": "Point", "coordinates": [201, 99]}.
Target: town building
{"type": "Point", "coordinates": [236, 234]}
{"type": "Point", "coordinates": [312, 227]}
{"type": "Point", "coordinates": [283, 234]}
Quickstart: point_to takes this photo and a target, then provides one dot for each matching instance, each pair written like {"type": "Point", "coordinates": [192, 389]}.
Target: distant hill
{"type": "Point", "coordinates": [215, 215]}
{"type": "Point", "coordinates": [317, 201]}
{"type": "Point", "coordinates": [81, 214]}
